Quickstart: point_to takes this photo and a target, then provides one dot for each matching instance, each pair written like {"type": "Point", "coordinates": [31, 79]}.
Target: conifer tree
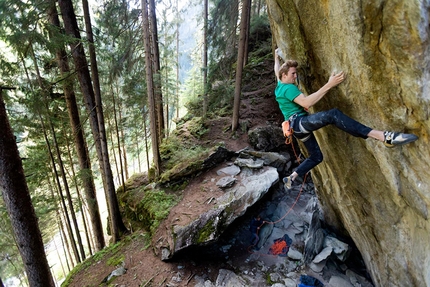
{"type": "Point", "coordinates": [20, 208]}
{"type": "Point", "coordinates": [246, 4]}
{"type": "Point", "coordinates": [95, 110]}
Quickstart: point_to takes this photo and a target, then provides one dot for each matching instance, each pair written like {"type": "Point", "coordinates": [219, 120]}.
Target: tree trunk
{"type": "Point", "coordinates": [79, 197]}
{"type": "Point", "coordinates": [18, 204]}
{"type": "Point", "coordinates": [95, 109]}
{"type": "Point", "coordinates": [124, 147]}
{"type": "Point", "coordinates": [239, 65]}
{"type": "Point", "coordinates": [65, 244]}
{"type": "Point", "coordinates": [60, 223]}
{"type": "Point", "coordinates": [118, 227]}
{"type": "Point", "coordinates": [68, 195]}
{"type": "Point", "coordinates": [121, 171]}
{"type": "Point", "coordinates": [63, 201]}
{"type": "Point", "coordinates": [145, 134]}
{"type": "Point", "coordinates": [177, 62]}
{"type": "Point", "coordinates": [58, 152]}
{"type": "Point", "coordinates": [158, 97]}
{"type": "Point", "coordinates": [248, 28]}
{"type": "Point", "coordinates": [79, 139]}
{"type": "Point", "coordinates": [150, 90]}
{"type": "Point", "coordinates": [205, 58]}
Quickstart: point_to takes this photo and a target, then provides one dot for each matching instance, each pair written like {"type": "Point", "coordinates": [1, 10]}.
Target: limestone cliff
{"type": "Point", "coordinates": [380, 196]}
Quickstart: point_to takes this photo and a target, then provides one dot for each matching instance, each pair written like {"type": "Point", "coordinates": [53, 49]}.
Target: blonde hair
{"type": "Point", "coordinates": [286, 66]}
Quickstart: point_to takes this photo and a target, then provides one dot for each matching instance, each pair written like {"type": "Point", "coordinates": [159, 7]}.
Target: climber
{"type": "Point", "coordinates": [294, 106]}
{"type": "Point", "coordinates": [255, 226]}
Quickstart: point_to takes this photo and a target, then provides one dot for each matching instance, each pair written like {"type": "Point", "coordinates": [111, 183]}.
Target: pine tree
{"type": "Point", "coordinates": [95, 110]}
{"type": "Point", "coordinates": [246, 4]}
{"type": "Point", "coordinates": [20, 208]}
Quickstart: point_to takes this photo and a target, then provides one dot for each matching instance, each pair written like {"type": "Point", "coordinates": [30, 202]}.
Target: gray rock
{"type": "Point", "coordinates": [317, 267]}
{"type": "Point", "coordinates": [249, 162]}
{"type": "Point", "coordinates": [336, 281]}
{"type": "Point", "coordinates": [323, 255]}
{"type": "Point", "coordinates": [340, 249]}
{"type": "Point", "coordinates": [231, 170]}
{"type": "Point", "coordinates": [226, 182]}
{"type": "Point", "coordinates": [295, 254]}
{"type": "Point", "coordinates": [250, 187]}
{"type": "Point", "coordinates": [288, 282]}
{"type": "Point", "coordinates": [117, 272]}
{"type": "Point", "coordinates": [228, 278]}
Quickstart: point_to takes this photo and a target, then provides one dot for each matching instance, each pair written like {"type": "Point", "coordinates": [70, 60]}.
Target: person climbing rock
{"type": "Point", "coordinates": [294, 106]}
{"type": "Point", "coordinates": [256, 224]}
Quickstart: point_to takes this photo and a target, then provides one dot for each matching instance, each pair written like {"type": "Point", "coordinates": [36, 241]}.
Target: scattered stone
{"type": "Point", "coordinates": [229, 278]}
{"type": "Point", "coordinates": [294, 254]}
{"type": "Point", "coordinates": [226, 182]}
{"type": "Point", "coordinates": [317, 267]}
{"type": "Point", "coordinates": [340, 248]}
{"type": "Point", "coordinates": [249, 162]}
{"type": "Point", "coordinates": [271, 158]}
{"type": "Point", "coordinates": [117, 272]}
{"type": "Point", "coordinates": [336, 281]}
{"type": "Point", "coordinates": [231, 170]}
{"type": "Point", "coordinates": [357, 280]}
{"type": "Point", "coordinates": [324, 254]}
{"type": "Point", "coordinates": [275, 277]}
{"type": "Point", "coordinates": [288, 282]}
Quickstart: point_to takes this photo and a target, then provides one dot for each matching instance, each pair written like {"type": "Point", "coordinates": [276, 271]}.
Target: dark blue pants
{"type": "Point", "coordinates": [304, 126]}
{"type": "Point", "coordinates": [255, 238]}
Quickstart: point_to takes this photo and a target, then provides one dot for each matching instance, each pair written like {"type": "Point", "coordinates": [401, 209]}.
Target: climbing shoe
{"type": "Point", "coordinates": [287, 182]}
{"type": "Point", "coordinates": [392, 139]}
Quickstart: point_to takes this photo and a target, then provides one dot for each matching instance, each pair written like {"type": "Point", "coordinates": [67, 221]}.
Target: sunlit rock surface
{"type": "Point", "coordinates": [379, 196]}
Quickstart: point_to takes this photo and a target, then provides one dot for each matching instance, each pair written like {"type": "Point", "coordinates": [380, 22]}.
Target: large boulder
{"type": "Point", "coordinates": [251, 184]}
{"type": "Point", "coordinates": [378, 196]}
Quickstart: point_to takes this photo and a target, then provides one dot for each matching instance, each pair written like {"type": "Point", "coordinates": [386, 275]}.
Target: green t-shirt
{"type": "Point", "coordinates": [285, 95]}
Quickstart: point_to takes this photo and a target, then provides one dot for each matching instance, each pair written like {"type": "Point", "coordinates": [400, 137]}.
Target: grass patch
{"type": "Point", "coordinates": [157, 204]}
{"type": "Point", "coordinates": [112, 254]}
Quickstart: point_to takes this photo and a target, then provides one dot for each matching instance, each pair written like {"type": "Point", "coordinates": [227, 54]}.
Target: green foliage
{"type": "Point", "coordinates": [157, 204]}
{"type": "Point", "coordinates": [113, 255]}
{"type": "Point", "coordinates": [260, 32]}
{"type": "Point", "coordinates": [116, 260]}
{"type": "Point", "coordinates": [269, 280]}
{"type": "Point", "coordinates": [182, 145]}
{"type": "Point", "coordinates": [205, 232]}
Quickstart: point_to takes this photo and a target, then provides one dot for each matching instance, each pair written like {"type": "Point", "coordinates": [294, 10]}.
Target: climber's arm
{"type": "Point", "coordinates": [312, 99]}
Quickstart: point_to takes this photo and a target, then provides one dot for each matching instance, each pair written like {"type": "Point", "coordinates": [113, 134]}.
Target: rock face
{"type": "Point", "coordinates": [379, 196]}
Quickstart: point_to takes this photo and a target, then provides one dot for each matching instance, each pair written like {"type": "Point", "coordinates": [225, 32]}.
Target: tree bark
{"type": "Point", "coordinates": [66, 188]}
{"type": "Point", "coordinates": [18, 204]}
{"type": "Point", "coordinates": [79, 196]}
{"type": "Point", "coordinates": [95, 109]}
{"type": "Point", "coordinates": [79, 139]}
{"type": "Point", "coordinates": [63, 201]}
{"type": "Point", "coordinates": [121, 171]}
{"type": "Point", "coordinates": [150, 90]}
{"type": "Point", "coordinates": [248, 28]}
{"type": "Point", "coordinates": [177, 61]}
{"type": "Point", "coordinates": [239, 65]}
{"type": "Point", "coordinates": [158, 97]}
{"type": "Point", "coordinates": [205, 58]}
{"type": "Point", "coordinates": [116, 218]}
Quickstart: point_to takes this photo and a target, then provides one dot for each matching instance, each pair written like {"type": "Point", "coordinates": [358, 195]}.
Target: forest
{"type": "Point", "coordinates": [89, 95]}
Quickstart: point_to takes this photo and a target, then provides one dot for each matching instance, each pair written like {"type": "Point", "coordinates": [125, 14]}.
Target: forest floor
{"type": "Point", "coordinates": [144, 267]}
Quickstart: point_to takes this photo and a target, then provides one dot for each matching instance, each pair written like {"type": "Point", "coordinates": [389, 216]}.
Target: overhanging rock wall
{"type": "Point", "coordinates": [380, 196]}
